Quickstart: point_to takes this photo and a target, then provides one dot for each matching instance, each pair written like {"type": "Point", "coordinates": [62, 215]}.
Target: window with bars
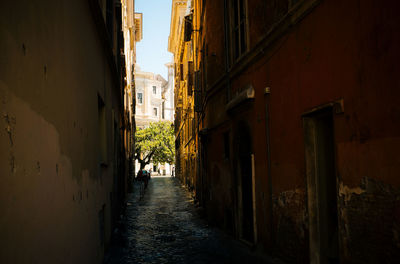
{"type": "Point", "coordinates": [154, 89]}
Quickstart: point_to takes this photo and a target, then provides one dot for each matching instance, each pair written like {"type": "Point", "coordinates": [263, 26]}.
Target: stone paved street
{"type": "Point", "coordinates": [165, 227]}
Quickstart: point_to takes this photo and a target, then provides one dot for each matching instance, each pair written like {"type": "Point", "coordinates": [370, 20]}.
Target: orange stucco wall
{"type": "Point", "coordinates": [338, 50]}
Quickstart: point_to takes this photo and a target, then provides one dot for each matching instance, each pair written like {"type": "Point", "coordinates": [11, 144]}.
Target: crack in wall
{"type": "Point", "coordinates": [11, 121]}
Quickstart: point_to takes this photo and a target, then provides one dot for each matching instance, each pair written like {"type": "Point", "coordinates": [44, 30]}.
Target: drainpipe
{"type": "Point", "coordinates": [226, 46]}
{"type": "Point", "coordinates": [267, 128]}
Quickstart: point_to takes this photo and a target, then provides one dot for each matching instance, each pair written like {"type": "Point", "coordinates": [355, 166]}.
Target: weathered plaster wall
{"type": "Point", "coordinates": [335, 50]}
{"type": "Point", "coordinates": [340, 50]}
{"type": "Point", "coordinates": [52, 68]}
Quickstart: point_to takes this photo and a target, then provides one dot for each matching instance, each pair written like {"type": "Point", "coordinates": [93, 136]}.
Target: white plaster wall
{"type": "Point", "coordinates": [144, 83]}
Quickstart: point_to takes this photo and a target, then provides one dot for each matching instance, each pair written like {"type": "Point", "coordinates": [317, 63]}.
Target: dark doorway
{"type": "Point", "coordinates": [321, 181]}
{"type": "Point", "coordinates": [245, 184]}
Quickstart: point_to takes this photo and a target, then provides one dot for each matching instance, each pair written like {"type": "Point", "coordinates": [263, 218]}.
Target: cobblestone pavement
{"type": "Point", "coordinates": [165, 227]}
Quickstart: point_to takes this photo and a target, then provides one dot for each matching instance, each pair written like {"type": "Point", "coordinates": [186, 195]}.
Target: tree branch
{"type": "Point", "coordinates": [148, 157]}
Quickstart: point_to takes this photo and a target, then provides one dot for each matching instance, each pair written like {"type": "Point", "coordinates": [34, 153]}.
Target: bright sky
{"type": "Point", "coordinates": [151, 51]}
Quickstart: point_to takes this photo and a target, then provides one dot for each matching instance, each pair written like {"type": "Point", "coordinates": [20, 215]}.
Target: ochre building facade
{"type": "Point", "coordinates": [132, 27]}
{"type": "Point", "coordinates": [185, 136]}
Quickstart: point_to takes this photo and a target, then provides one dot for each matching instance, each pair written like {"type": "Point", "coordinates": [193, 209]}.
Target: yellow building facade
{"type": "Point", "coordinates": [185, 118]}
{"type": "Point", "coordinates": [132, 26]}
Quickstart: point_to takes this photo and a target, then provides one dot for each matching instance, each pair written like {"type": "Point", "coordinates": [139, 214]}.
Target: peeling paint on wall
{"type": "Point", "coordinates": [38, 184]}
{"type": "Point", "coordinates": [375, 239]}
{"type": "Point", "coordinates": [347, 192]}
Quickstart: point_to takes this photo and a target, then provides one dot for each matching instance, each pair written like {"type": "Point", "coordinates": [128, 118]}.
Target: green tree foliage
{"type": "Point", "coordinates": [155, 143]}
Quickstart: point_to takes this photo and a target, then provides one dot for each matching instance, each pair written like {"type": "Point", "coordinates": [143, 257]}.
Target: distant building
{"type": "Point", "coordinates": [154, 102]}
{"type": "Point", "coordinates": [148, 97]}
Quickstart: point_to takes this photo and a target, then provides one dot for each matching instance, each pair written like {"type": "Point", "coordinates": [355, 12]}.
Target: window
{"type": "Point", "coordinates": [140, 98]}
{"type": "Point", "coordinates": [238, 28]}
{"type": "Point", "coordinates": [190, 73]}
{"type": "Point", "coordinates": [109, 19]}
{"type": "Point", "coordinates": [101, 111]}
{"type": "Point", "coordinates": [181, 72]}
{"type": "Point", "coordinates": [226, 145]}
{"type": "Point", "coordinates": [155, 111]}
{"type": "Point", "coordinates": [197, 92]}
{"type": "Point", "coordinates": [194, 121]}
{"type": "Point", "coordinates": [154, 89]}
{"type": "Point", "coordinates": [188, 27]}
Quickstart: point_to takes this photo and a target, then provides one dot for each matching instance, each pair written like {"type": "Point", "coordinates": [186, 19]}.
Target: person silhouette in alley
{"type": "Point", "coordinates": [144, 177]}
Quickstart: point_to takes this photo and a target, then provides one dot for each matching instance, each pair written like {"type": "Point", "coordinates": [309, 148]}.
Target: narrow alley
{"type": "Point", "coordinates": [279, 121]}
{"type": "Point", "coordinates": [165, 227]}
